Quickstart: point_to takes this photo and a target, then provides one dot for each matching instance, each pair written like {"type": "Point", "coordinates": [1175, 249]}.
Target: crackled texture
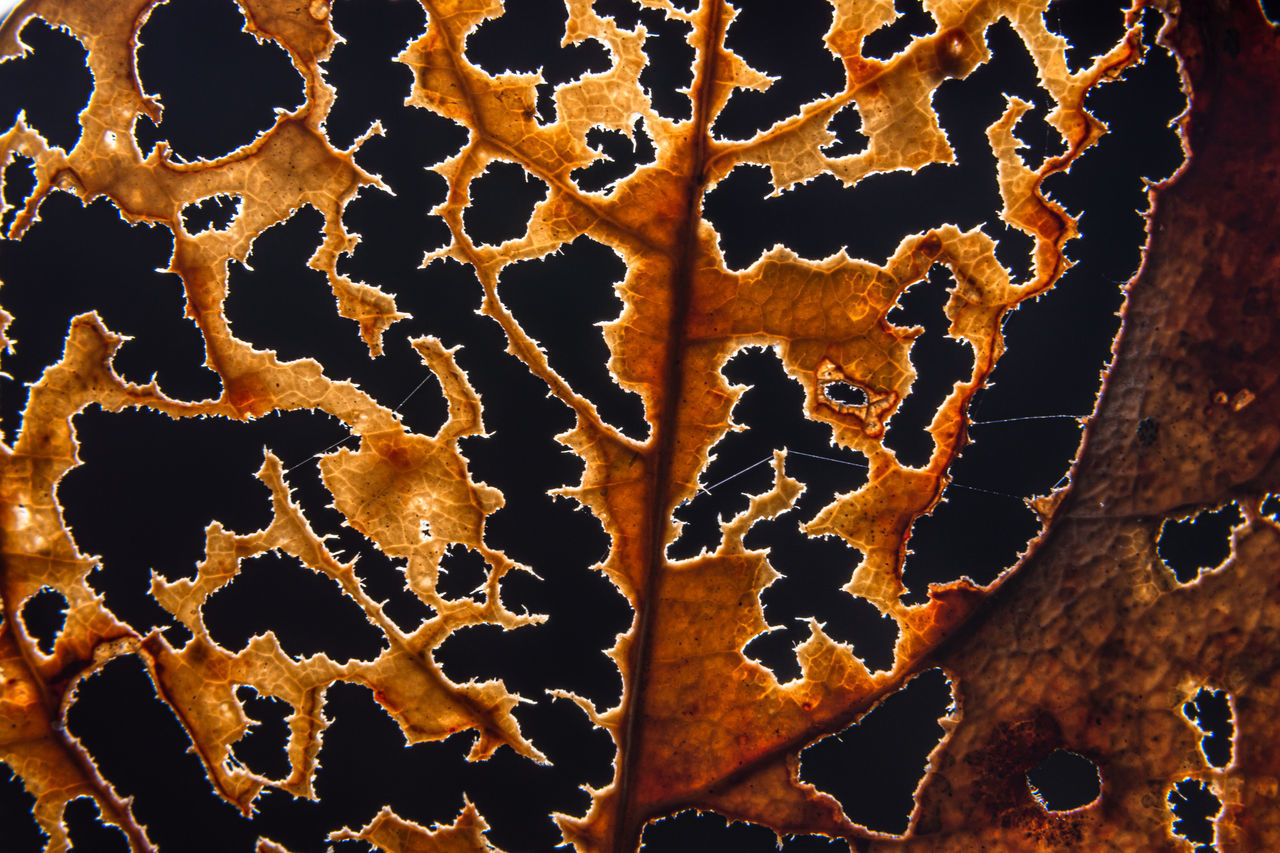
{"type": "Point", "coordinates": [1088, 643]}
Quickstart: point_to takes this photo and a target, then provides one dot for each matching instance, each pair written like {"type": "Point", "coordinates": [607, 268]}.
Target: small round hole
{"type": "Point", "coordinates": [1065, 781]}
{"type": "Point", "coordinates": [1199, 542]}
{"type": "Point", "coordinates": [845, 394]}
{"type": "Point", "coordinates": [44, 615]}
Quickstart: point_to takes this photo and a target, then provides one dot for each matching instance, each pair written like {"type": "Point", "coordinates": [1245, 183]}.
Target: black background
{"type": "Point", "coordinates": [150, 485]}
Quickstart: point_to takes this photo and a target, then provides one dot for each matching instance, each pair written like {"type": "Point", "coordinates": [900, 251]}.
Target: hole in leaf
{"type": "Point", "coordinates": [1197, 542]}
{"type": "Point", "coordinates": [526, 39]}
{"type": "Point", "coordinates": [370, 83]}
{"type": "Point", "coordinates": [814, 569]}
{"type": "Point", "coordinates": [383, 579]}
{"type": "Point", "coordinates": [115, 710]}
{"type": "Point", "coordinates": [138, 461]}
{"type": "Point", "coordinates": [365, 763]}
{"type": "Point", "coordinates": [88, 832]}
{"type": "Point", "coordinates": [811, 590]}
{"type": "Point", "coordinates": [751, 220]}
{"type": "Point", "coordinates": [43, 616]}
{"type": "Point", "coordinates": [1194, 807]}
{"type": "Point", "coordinates": [694, 830]}
{"type": "Point", "coordinates": [263, 747]}
{"type": "Point", "coordinates": [625, 13]}
{"type": "Point", "coordinates": [1064, 781]}
{"type": "Point", "coordinates": [974, 532]}
{"type": "Point", "coordinates": [364, 743]}
{"type": "Point", "coordinates": [502, 200]}
{"type": "Point", "coordinates": [463, 573]}
{"type": "Point", "coordinates": [912, 22]}
{"type": "Point", "coordinates": [561, 301]}
{"type": "Point", "coordinates": [19, 181]}
{"type": "Point", "coordinates": [220, 86]}
{"type": "Point", "coordinates": [939, 361]}
{"type": "Point", "coordinates": [1211, 711]}
{"type": "Point", "coordinates": [394, 233]}
{"type": "Point", "coordinates": [1141, 142]}
{"type": "Point", "coordinates": [846, 125]}
{"type": "Point", "coordinates": [1270, 507]}
{"type": "Point", "coordinates": [212, 213]}
{"type": "Point", "coordinates": [1040, 140]}
{"type": "Point", "coordinates": [1014, 251]}
{"type": "Point", "coordinates": [621, 157]}
{"type": "Point", "coordinates": [782, 40]}
{"type": "Point", "coordinates": [775, 650]}
{"type": "Point", "coordinates": [17, 809]}
{"type": "Point", "coordinates": [52, 83]}
{"type": "Point", "coordinates": [46, 284]}
{"type": "Point", "coordinates": [146, 134]}
{"type": "Point", "coordinates": [773, 410]}
{"type": "Point", "coordinates": [896, 738]}
{"type": "Point", "coordinates": [275, 300]}
{"type": "Point", "coordinates": [519, 40]}
{"type": "Point", "coordinates": [177, 635]}
{"type": "Point", "coordinates": [308, 612]}
{"type": "Point", "coordinates": [1090, 30]}
{"type": "Point", "coordinates": [667, 80]}
{"type": "Point", "coordinates": [845, 394]}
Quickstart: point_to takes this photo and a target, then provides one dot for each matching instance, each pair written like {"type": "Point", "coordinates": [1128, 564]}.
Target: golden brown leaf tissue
{"type": "Point", "coordinates": [1088, 644]}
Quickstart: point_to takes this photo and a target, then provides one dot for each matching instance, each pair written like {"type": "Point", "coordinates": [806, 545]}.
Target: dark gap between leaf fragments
{"type": "Point", "coordinates": [17, 809]}
{"type": "Point", "coordinates": [526, 39]}
{"type": "Point", "coordinates": [263, 748]}
{"type": "Point", "coordinates": [939, 360]}
{"type": "Point", "coordinates": [846, 126]}
{"type": "Point", "coordinates": [669, 72]}
{"type": "Point", "coordinates": [371, 84]}
{"type": "Point", "coordinates": [502, 201]}
{"type": "Point", "coordinates": [45, 286]}
{"type": "Point", "coordinates": [220, 86]}
{"type": "Point", "coordinates": [1088, 33]}
{"type": "Point", "coordinates": [620, 157]}
{"type": "Point", "coordinates": [115, 711]}
{"type": "Point", "coordinates": [307, 611]}
{"type": "Point", "coordinates": [55, 68]}
{"type": "Point", "coordinates": [463, 573]}
{"type": "Point", "coordinates": [895, 738]}
{"type": "Point", "coordinates": [560, 301]}
{"type": "Point", "coordinates": [783, 41]}
{"type": "Point", "coordinates": [19, 180]}
{"type": "Point", "coordinates": [911, 23]}
{"type": "Point", "coordinates": [87, 831]}
{"type": "Point", "coordinates": [275, 301]}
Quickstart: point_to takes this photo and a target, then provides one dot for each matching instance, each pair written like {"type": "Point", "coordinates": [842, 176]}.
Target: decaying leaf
{"type": "Point", "coordinates": [1088, 644]}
